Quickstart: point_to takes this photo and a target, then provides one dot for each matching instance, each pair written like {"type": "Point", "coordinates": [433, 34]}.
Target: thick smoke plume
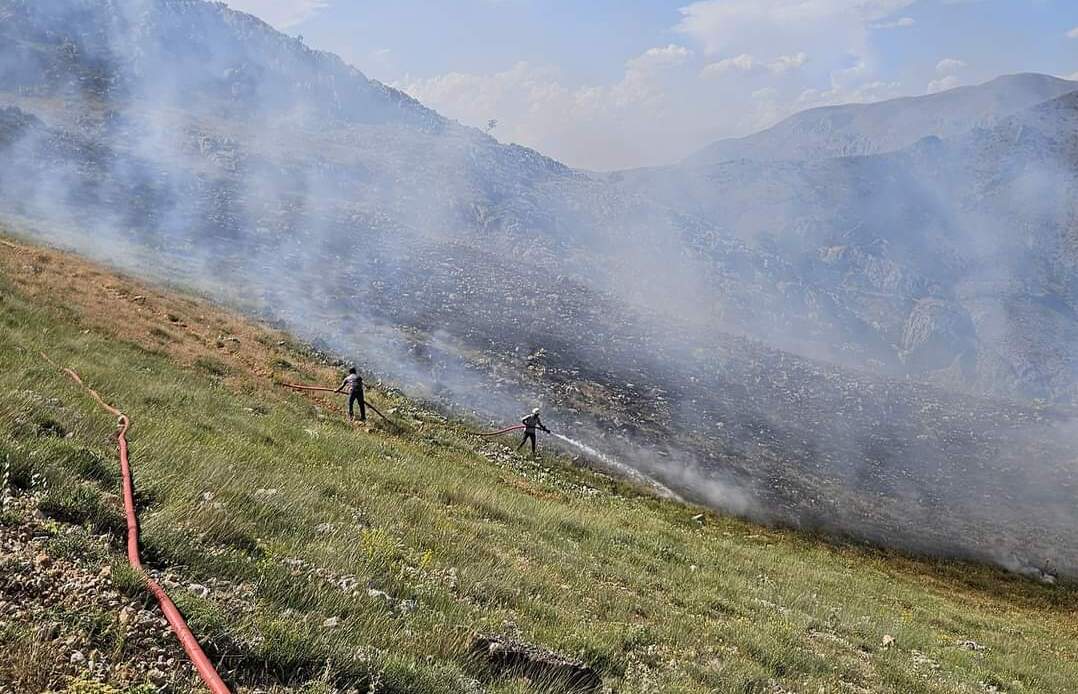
{"type": "Point", "coordinates": [865, 346]}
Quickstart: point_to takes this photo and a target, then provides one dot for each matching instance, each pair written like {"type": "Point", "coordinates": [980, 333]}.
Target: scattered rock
{"type": "Point", "coordinates": [888, 641]}
{"type": "Point", "coordinates": [43, 594]}
{"type": "Point", "coordinates": [506, 656]}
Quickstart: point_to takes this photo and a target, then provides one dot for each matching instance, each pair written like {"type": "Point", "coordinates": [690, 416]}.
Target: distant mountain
{"type": "Point", "coordinates": [952, 259]}
{"type": "Point", "coordinates": [886, 126]}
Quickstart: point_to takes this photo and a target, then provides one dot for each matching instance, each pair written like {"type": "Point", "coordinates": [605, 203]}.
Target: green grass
{"type": "Point", "coordinates": [305, 516]}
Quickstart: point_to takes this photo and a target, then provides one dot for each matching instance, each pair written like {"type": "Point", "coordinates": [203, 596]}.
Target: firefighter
{"type": "Point", "coordinates": [353, 383]}
{"type": "Point", "coordinates": [531, 423]}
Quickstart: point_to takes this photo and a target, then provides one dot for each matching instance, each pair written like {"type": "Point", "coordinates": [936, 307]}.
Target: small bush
{"type": "Point", "coordinates": [48, 427]}
{"type": "Point", "coordinates": [89, 465]}
{"type": "Point", "coordinates": [129, 581]}
{"type": "Point", "coordinates": [83, 505]}
{"type": "Point", "coordinates": [298, 655]}
{"type": "Point", "coordinates": [225, 530]}
{"type": "Point", "coordinates": [17, 470]}
{"type": "Point", "coordinates": [146, 496]}
{"type": "Point", "coordinates": [74, 545]}
{"type": "Point", "coordinates": [29, 664]}
{"type": "Point", "coordinates": [84, 686]}
{"type": "Point", "coordinates": [214, 367]}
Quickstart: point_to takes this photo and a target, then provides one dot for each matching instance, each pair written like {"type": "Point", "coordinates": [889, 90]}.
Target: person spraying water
{"type": "Point", "coordinates": [531, 423]}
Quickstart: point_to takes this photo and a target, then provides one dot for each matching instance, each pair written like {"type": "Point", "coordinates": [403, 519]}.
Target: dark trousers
{"type": "Point", "coordinates": [527, 435]}
{"type": "Point", "coordinates": [357, 396]}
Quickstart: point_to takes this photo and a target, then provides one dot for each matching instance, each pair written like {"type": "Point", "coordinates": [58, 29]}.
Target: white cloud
{"type": "Point", "coordinates": [947, 71]}
{"type": "Point", "coordinates": [836, 33]}
{"type": "Point", "coordinates": [742, 66]}
{"type": "Point", "coordinates": [949, 66]}
{"type": "Point", "coordinates": [657, 111]}
{"type": "Point", "coordinates": [281, 14]}
{"type": "Point", "coordinates": [863, 92]}
{"type": "Point", "coordinates": [747, 63]}
{"type": "Point", "coordinates": [670, 100]}
{"type": "Point", "coordinates": [725, 25]}
{"type": "Point", "coordinates": [900, 23]}
{"type": "Point", "coordinates": [1073, 33]}
{"type": "Point", "coordinates": [616, 125]}
{"type": "Point", "coordinates": [943, 84]}
{"type": "Point", "coordinates": [740, 63]}
{"type": "Point", "coordinates": [672, 54]}
{"type": "Point", "coordinates": [785, 63]}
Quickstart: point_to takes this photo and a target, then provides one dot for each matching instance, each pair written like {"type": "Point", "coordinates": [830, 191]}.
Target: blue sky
{"type": "Point", "coordinates": [608, 84]}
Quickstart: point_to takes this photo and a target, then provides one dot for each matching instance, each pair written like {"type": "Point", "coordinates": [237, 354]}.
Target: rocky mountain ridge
{"type": "Point", "coordinates": [951, 259]}
{"type": "Point", "coordinates": [887, 126]}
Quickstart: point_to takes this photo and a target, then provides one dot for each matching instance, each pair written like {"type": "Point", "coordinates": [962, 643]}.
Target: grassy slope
{"type": "Point", "coordinates": [275, 493]}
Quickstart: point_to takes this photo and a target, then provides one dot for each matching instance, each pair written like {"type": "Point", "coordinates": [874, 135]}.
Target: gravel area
{"type": "Point", "coordinates": [64, 621]}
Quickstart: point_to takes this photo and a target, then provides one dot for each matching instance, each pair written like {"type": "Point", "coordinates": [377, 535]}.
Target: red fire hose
{"type": "Point", "coordinates": [320, 389]}
{"type": "Point", "coordinates": [179, 627]}
{"type": "Point", "coordinates": [518, 427]}
{"type": "Point", "coordinates": [296, 386]}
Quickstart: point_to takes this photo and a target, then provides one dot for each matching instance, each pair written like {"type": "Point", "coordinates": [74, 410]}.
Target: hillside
{"type": "Point", "coordinates": [875, 128]}
{"type": "Point", "coordinates": [870, 347]}
{"type": "Point", "coordinates": [308, 555]}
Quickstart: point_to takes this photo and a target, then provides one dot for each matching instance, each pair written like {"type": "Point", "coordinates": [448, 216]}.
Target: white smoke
{"type": "Point", "coordinates": [186, 143]}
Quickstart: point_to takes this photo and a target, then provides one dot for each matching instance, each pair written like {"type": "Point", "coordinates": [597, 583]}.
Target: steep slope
{"type": "Point", "coordinates": [216, 60]}
{"type": "Point", "coordinates": [308, 555]}
{"type": "Point", "coordinates": [744, 333]}
{"type": "Point", "coordinates": [860, 129]}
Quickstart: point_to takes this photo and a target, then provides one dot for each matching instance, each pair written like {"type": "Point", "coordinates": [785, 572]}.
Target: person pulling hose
{"type": "Point", "coordinates": [354, 383]}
